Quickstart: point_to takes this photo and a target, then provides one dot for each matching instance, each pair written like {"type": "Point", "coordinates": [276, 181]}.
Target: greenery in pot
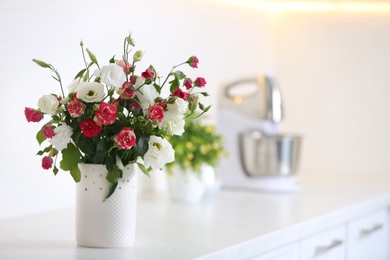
{"type": "Point", "coordinates": [199, 144]}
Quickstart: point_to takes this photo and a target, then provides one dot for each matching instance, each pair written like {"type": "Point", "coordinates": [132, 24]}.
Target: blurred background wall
{"type": "Point", "coordinates": [332, 67]}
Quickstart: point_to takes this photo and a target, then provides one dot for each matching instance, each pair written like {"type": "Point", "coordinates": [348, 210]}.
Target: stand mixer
{"type": "Point", "coordinates": [259, 158]}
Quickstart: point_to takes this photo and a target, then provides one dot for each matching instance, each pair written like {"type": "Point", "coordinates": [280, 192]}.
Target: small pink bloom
{"type": "Point", "coordinates": [127, 91]}
{"type": "Point", "coordinates": [180, 93]}
{"type": "Point", "coordinates": [48, 131]}
{"type": "Point", "coordinates": [126, 138]}
{"type": "Point", "coordinates": [163, 103]}
{"type": "Point", "coordinates": [149, 73]}
{"type": "Point", "coordinates": [106, 114]}
{"type": "Point", "coordinates": [193, 61]}
{"type": "Point", "coordinates": [200, 82]}
{"type": "Point", "coordinates": [126, 67]}
{"type": "Point", "coordinates": [47, 162]}
{"type": "Point", "coordinates": [188, 83]}
{"type": "Point", "coordinates": [133, 79]}
{"type": "Point", "coordinates": [156, 112]}
{"type": "Point", "coordinates": [75, 107]}
{"type": "Point", "coordinates": [135, 105]}
{"type": "Point", "coordinates": [32, 115]}
{"type": "Point", "coordinates": [89, 128]}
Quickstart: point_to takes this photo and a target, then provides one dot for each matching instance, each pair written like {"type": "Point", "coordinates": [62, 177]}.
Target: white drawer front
{"type": "Point", "coordinates": [329, 244]}
{"type": "Point", "coordinates": [368, 237]}
{"type": "Point", "coordinates": [289, 252]}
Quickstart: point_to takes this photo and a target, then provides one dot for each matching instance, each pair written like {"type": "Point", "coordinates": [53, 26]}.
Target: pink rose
{"type": "Point", "coordinates": [127, 91]}
{"type": "Point", "coordinates": [180, 93]}
{"type": "Point", "coordinates": [188, 83]}
{"type": "Point", "coordinates": [47, 162]}
{"type": "Point", "coordinates": [193, 61]}
{"type": "Point", "coordinates": [89, 128]}
{"type": "Point", "coordinates": [126, 67]}
{"type": "Point", "coordinates": [156, 112]}
{"type": "Point", "coordinates": [133, 79]}
{"type": "Point", "coordinates": [200, 82]}
{"type": "Point", "coordinates": [106, 114]}
{"type": "Point", "coordinates": [135, 105]}
{"type": "Point", "coordinates": [48, 131]}
{"type": "Point", "coordinates": [149, 73]}
{"type": "Point", "coordinates": [32, 115]}
{"type": "Point", "coordinates": [126, 138]}
{"type": "Point", "coordinates": [75, 108]}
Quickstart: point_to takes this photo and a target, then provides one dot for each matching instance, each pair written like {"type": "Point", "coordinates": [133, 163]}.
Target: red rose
{"type": "Point", "coordinates": [89, 128]}
{"type": "Point", "coordinates": [32, 115]}
{"type": "Point", "coordinates": [47, 162]}
{"type": "Point", "coordinates": [126, 138]}
{"type": "Point", "coordinates": [75, 108]}
{"type": "Point", "coordinates": [193, 61]}
{"type": "Point", "coordinates": [127, 91]}
{"type": "Point", "coordinates": [156, 112]}
{"type": "Point", "coordinates": [180, 93]}
{"type": "Point", "coordinates": [149, 73]}
{"type": "Point", "coordinates": [48, 131]}
{"type": "Point", "coordinates": [188, 83]}
{"type": "Point", "coordinates": [106, 114]}
{"type": "Point", "coordinates": [126, 66]}
{"type": "Point", "coordinates": [200, 82]}
{"type": "Point", "coordinates": [133, 79]}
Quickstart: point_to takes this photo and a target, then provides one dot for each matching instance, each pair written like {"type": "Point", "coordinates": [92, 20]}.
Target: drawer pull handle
{"type": "Point", "coordinates": [323, 249]}
{"type": "Point", "coordinates": [368, 231]}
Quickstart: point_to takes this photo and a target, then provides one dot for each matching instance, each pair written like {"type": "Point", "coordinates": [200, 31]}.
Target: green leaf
{"type": "Point", "coordinates": [111, 190]}
{"type": "Point", "coordinates": [142, 145]}
{"type": "Point", "coordinates": [86, 76]}
{"type": "Point", "coordinates": [76, 174]}
{"type": "Point", "coordinates": [174, 85]}
{"type": "Point", "coordinates": [91, 56]}
{"type": "Point", "coordinates": [179, 74]}
{"type": "Point", "coordinates": [157, 87]}
{"type": "Point", "coordinates": [205, 94]}
{"type": "Point", "coordinates": [70, 158]}
{"type": "Point", "coordinates": [40, 137]}
{"type": "Point", "coordinates": [110, 162]}
{"type": "Point", "coordinates": [42, 63]}
{"type": "Point", "coordinates": [143, 169]}
{"type": "Point", "coordinates": [112, 60]}
{"type": "Point", "coordinates": [80, 74]}
{"type": "Point", "coordinates": [114, 175]}
{"type": "Point", "coordinates": [101, 151]}
{"type": "Point", "coordinates": [86, 145]}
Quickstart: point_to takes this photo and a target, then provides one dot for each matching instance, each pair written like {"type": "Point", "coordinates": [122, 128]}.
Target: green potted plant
{"type": "Point", "coordinates": [198, 152]}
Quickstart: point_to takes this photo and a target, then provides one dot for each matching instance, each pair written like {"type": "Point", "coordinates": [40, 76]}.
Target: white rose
{"type": "Point", "coordinates": [146, 94]}
{"type": "Point", "coordinates": [179, 107]}
{"type": "Point", "coordinates": [160, 152]}
{"type": "Point", "coordinates": [48, 104]}
{"type": "Point", "coordinates": [62, 137]}
{"type": "Point", "coordinates": [112, 75]}
{"type": "Point", "coordinates": [91, 92]}
{"type": "Point", "coordinates": [172, 123]}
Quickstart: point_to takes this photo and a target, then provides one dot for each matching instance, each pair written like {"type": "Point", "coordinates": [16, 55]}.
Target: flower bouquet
{"type": "Point", "coordinates": [114, 116]}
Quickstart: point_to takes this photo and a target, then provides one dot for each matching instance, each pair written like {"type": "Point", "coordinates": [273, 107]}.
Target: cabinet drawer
{"type": "Point", "coordinates": [368, 237]}
{"type": "Point", "coordinates": [289, 252]}
{"type": "Point", "coordinates": [329, 244]}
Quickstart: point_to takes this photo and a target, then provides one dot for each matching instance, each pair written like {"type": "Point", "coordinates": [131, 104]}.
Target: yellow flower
{"type": "Point", "coordinates": [190, 156]}
{"type": "Point", "coordinates": [187, 164]}
{"type": "Point", "coordinates": [196, 167]}
{"type": "Point", "coordinates": [210, 129]}
{"type": "Point", "coordinates": [189, 145]}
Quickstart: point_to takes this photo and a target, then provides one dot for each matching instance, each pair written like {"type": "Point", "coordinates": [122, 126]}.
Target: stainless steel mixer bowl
{"type": "Point", "coordinates": [269, 155]}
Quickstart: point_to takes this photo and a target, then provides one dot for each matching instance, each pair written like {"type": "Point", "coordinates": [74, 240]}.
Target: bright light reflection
{"type": "Point", "coordinates": [284, 6]}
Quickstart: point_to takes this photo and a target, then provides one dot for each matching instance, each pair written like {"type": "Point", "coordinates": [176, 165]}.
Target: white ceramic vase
{"type": "Point", "coordinates": [105, 223]}
{"type": "Point", "coordinates": [185, 185]}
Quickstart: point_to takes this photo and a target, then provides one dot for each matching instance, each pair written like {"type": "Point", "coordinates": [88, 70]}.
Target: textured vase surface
{"type": "Point", "coordinates": [110, 222]}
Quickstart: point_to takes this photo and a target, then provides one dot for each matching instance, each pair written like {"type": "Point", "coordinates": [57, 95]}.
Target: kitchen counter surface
{"type": "Point", "coordinates": [233, 225]}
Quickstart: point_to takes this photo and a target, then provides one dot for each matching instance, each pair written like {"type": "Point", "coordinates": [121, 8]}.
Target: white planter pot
{"type": "Point", "coordinates": [185, 185]}
{"type": "Point", "coordinates": [109, 223]}
{"type": "Point", "coordinates": [212, 181]}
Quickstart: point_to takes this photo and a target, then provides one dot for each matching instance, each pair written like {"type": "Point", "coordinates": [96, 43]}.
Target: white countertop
{"type": "Point", "coordinates": [234, 225]}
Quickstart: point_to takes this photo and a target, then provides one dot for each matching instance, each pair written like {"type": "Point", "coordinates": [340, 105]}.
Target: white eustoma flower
{"type": "Point", "coordinates": [179, 107]}
{"type": "Point", "coordinates": [112, 75]}
{"type": "Point", "coordinates": [48, 104]}
{"type": "Point", "coordinates": [72, 87]}
{"type": "Point", "coordinates": [62, 137]}
{"type": "Point", "coordinates": [160, 152]}
{"type": "Point", "coordinates": [146, 94]}
{"type": "Point", "coordinates": [91, 92]}
{"type": "Point", "coordinates": [173, 123]}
